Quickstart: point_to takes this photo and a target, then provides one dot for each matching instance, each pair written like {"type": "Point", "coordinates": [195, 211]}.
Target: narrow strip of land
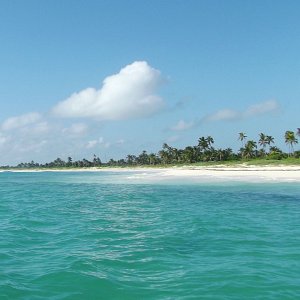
{"type": "Point", "coordinates": [239, 172]}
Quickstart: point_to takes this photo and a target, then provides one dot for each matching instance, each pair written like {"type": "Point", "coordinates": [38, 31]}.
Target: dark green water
{"type": "Point", "coordinates": [100, 236]}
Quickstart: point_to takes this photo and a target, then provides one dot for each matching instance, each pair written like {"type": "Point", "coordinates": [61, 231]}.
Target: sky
{"type": "Point", "coordinates": [112, 78]}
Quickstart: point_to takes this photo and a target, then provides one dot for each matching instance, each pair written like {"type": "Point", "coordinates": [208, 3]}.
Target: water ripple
{"type": "Point", "coordinates": [81, 236]}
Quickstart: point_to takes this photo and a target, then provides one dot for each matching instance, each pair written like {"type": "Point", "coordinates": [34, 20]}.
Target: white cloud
{"type": "Point", "coordinates": [91, 144]}
{"type": "Point", "coordinates": [3, 139]}
{"type": "Point", "coordinates": [76, 129]}
{"type": "Point", "coordinates": [21, 121]}
{"type": "Point", "coordinates": [103, 143]}
{"type": "Point", "coordinates": [129, 94]}
{"type": "Point", "coordinates": [24, 147]}
{"type": "Point", "coordinates": [100, 143]}
{"type": "Point", "coordinates": [262, 108]}
{"type": "Point", "coordinates": [182, 125]}
{"type": "Point", "coordinates": [223, 115]}
{"type": "Point", "coordinates": [40, 127]}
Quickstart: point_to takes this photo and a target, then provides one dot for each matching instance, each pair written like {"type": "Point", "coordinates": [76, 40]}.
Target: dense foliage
{"type": "Point", "coordinates": [204, 151]}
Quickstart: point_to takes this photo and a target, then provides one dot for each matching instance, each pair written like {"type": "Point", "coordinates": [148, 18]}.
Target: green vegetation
{"type": "Point", "coordinates": [262, 152]}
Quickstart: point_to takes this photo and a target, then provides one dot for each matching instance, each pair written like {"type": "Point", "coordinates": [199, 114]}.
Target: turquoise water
{"type": "Point", "coordinates": [104, 236]}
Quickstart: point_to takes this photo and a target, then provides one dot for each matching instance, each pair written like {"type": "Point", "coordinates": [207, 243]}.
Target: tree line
{"type": "Point", "coordinates": [204, 151]}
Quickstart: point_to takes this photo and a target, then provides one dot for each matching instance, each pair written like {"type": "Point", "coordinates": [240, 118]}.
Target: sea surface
{"type": "Point", "coordinates": [111, 235]}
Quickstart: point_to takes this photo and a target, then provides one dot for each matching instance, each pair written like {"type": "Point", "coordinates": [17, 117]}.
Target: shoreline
{"type": "Point", "coordinates": [243, 173]}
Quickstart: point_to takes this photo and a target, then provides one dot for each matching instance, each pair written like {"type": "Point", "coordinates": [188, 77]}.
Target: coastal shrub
{"type": "Point", "coordinates": [297, 154]}
{"type": "Point", "coordinates": [275, 156]}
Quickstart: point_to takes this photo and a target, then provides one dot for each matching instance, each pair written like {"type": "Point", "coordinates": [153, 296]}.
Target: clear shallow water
{"type": "Point", "coordinates": [103, 236]}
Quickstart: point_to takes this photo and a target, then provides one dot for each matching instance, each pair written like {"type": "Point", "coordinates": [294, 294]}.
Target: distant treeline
{"type": "Point", "coordinates": [204, 151]}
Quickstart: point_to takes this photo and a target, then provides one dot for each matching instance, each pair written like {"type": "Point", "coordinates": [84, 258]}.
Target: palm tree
{"type": "Point", "coordinates": [249, 149]}
{"type": "Point", "coordinates": [290, 140]}
{"type": "Point", "coordinates": [220, 153]}
{"type": "Point", "coordinates": [59, 162]}
{"type": "Point", "coordinates": [275, 149]}
{"type": "Point", "coordinates": [153, 159]}
{"type": "Point", "coordinates": [228, 154]}
{"type": "Point", "coordinates": [189, 154]}
{"type": "Point", "coordinates": [166, 154]}
{"type": "Point", "coordinates": [86, 163]}
{"type": "Point", "coordinates": [112, 162]}
{"type": "Point", "coordinates": [205, 147]}
{"type": "Point", "coordinates": [143, 158]}
{"type": "Point", "coordinates": [131, 159]}
{"type": "Point", "coordinates": [270, 140]}
{"type": "Point", "coordinates": [261, 152]}
{"type": "Point", "coordinates": [209, 141]}
{"type": "Point", "coordinates": [121, 162]}
{"type": "Point", "coordinates": [263, 140]}
{"type": "Point", "coordinates": [175, 154]}
{"type": "Point", "coordinates": [242, 138]}
{"type": "Point", "coordinates": [96, 161]}
{"type": "Point", "coordinates": [203, 144]}
{"type": "Point", "coordinates": [70, 162]}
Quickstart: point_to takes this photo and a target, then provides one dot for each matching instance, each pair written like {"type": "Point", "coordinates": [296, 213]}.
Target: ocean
{"type": "Point", "coordinates": [117, 235]}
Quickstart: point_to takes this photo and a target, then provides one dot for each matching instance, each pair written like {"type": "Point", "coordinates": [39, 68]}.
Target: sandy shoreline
{"type": "Point", "coordinates": [243, 173]}
{"type": "Point", "coordinates": [198, 173]}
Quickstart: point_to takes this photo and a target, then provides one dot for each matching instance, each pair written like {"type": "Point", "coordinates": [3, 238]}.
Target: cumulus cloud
{"type": "Point", "coordinates": [262, 108]}
{"type": "Point", "coordinates": [21, 121]}
{"type": "Point", "coordinates": [182, 125]}
{"type": "Point", "coordinates": [129, 94]}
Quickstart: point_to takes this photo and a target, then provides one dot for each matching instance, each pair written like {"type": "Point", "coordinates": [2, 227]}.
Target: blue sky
{"type": "Point", "coordinates": [118, 77]}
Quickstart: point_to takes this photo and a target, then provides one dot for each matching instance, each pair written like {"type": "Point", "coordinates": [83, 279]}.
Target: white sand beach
{"type": "Point", "coordinates": [221, 173]}
{"type": "Point", "coordinates": [239, 173]}
{"type": "Point", "coordinates": [281, 173]}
